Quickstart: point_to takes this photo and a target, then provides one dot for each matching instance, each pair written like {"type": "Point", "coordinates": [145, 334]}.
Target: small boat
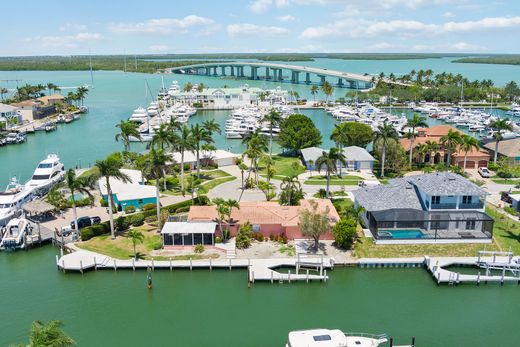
{"type": "Point", "coordinates": [69, 119]}
{"type": "Point", "coordinates": [60, 119]}
{"type": "Point", "coordinates": [83, 109]}
{"type": "Point", "coordinates": [333, 337]}
{"type": "Point", "coordinates": [14, 234]}
{"type": "Point", "coordinates": [50, 127]}
{"type": "Point", "coordinates": [233, 135]}
{"type": "Point", "coordinates": [15, 138]}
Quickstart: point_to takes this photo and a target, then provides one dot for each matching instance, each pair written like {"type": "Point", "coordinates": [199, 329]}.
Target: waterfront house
{"type": "Point", "coordinates": [509, 149]}
{"type": "Point", "coordinates": [475, 158]}
{"type": "Point", "coordinates": [180, 234]}
{"type": "Point", "coordinates": [52, 99]}
{"type": "Point", "coordinates": [357, 158]}
{"type": "Point", "coordinates": [435, 207]}
{"type": "Point", "coordinates": [134, 193]}
{"type": "Point", "coordinates": [9, 114]}
{"type": "Point", "coordinates": [217, 157]}
{"type": "Point", "coordinates": [33, 109]}
{"type": "Point", "coordinates": [266, 217]}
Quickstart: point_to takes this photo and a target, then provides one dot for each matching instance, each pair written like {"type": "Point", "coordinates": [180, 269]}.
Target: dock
{"type": "Point", "coordinates": [306, 268]}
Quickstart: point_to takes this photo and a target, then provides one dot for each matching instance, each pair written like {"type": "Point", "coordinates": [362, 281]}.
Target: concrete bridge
{"type": "Point", "coordinates": [275, 72]}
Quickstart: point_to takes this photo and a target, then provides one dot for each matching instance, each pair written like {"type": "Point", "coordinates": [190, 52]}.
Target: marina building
{"type": "Point", "coordinates": [428, 208]}
{"type": "Point", "coordinates": [475, 158]}
{"type": "Point", "coordinates": [134, 193]}
{"type": "Point", "coordinates": [34, 109]}
{"type": "Point", "coordinates": [266, 217]}
{"type": "Point", "coordinates": [357, 158]}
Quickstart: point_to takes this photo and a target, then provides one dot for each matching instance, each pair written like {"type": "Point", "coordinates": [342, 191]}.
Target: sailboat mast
{"type": "Point", "coordinates": [91, 74]}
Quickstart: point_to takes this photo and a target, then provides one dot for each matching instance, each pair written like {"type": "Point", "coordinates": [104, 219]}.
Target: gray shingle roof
{"type": "Point", "coordinates": [385, 197]}
{"type": "Point", "coordinates": [312, 153]}
{"type": "Point", "coordinates": [352, 153]}
{"type": "Point", "coordinates": [444, 183]}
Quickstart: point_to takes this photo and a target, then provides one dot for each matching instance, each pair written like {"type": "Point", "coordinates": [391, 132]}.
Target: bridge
{"type": "Point", "coordinates": [275, 72]}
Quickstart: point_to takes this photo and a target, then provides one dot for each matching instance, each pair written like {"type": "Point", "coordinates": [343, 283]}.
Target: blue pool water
{"type": "Point", "coordinates": [402, 234]}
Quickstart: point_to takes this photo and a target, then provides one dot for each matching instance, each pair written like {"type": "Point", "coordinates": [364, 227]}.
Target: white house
{"type": "Point", "coordinates": [8, 112]}
{"type": "Point", "coordinates": [218, 157]}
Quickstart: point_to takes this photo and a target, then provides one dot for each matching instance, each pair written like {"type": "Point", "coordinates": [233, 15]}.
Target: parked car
{"type": "Point", "coordinates": [95, 220]}
{"type": "Point", "coordinates": [82, 223]}
{"type": "Point", "coordinates": [484, 172]}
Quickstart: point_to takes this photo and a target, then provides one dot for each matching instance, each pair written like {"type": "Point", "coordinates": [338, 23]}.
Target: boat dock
{"type": "Point", "coordinates": [306, 268]}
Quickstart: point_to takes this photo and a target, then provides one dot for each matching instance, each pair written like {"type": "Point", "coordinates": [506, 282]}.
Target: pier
{"type": "Point", "coordinates": [306, 268]}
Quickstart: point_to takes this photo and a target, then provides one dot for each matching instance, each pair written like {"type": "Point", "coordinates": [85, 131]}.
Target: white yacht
{"type": "Point", "coordinates": [174, 88]}
{"type": "Point", "coordinates": [153, 109]}
{"type": "Point", "coordinates": [12, 199]}
{"type": "Point", "coordinates": [333, 338]}
{"type": "Point", "coordinates": [48, 173]}
{"type": "Point", "coordinates": [15, 138]}
{"type": "Point", "coordinates": [14, 233]}
{"type": "Point", "coordinates": [139, 116]}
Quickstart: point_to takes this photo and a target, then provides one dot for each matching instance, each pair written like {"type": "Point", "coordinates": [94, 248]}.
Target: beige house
{"type": "Point", "coordinates": [506, 148]}
{"type": "Point", "coordinates": [52, 99]}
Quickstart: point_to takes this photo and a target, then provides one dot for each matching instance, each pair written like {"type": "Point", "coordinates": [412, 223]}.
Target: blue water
{"type": "Point", "coordinates": [405, 233]}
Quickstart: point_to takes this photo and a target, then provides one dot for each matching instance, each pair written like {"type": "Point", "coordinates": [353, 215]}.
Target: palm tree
{"type": "Point", "coordinates": [432, 147]}
{"type": "Point", "coordinates": [3, 91]}
{"type": "Point", "coordinates": [162, 138]}
{"type": "Point", "coordinates": [243, 168]}
{"type": "Point", "coordinates": [384, 134]}
{"type": "Point", "coordinates": [314, 91]}
{"type": "Point", "coordinates": [290, 185]}
{"type": "Point", "coordinates": [450, 141]}
{"type": "Point", "coordinates": [467, 144]}
{"type": "Point", "coordinates": [498, 126]}
{"type": "Point", "coordinates": [192, 184]}
{"type": "Point", "coordinates": [81, 92]}
{"type": "Point", "coordinates": [328, 89]}
{"type": "Point", "coordinates": [111, 168]}
{"type": "Point", "coordinates": [329, 161]}
{"type": "Point", "coordinates": [127, 129]}
{"type": "Point", "coordinates": [199, 135]}
{"type": "Point", "coordinates": [416, 121]}
{"type": "Point", "coordinates": [51, 86]}
{"type": "Point", "coordinates": [274, 118]}
{"type": "Point", "coordinates": [211, 126]}
{"type": "Point", "coordinates": [79, 184]}
{"type": "Point", "coordinates": [136, 237]}
{"type": "Point", "coordinates": [340, 135]}
{"type": "Point", "coordinates": [188, 87]}
{"type": "Point", "coordinates": [220, 206]}
{"type": "Point", "coordinates": [230, 204]}
{"type": "Point", "coordinates": [256, 145]}
{"type": "Point", "coordinates": [420, 151]}
{"type": "Point", "coordinates": [184, 143]}
{"type": "Point", "coordinates": [49, 334]}
{"type": "Point", "coordinates": [153, 168]}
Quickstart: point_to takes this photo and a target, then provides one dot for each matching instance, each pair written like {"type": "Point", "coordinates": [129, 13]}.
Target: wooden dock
{"type": "Point", "coordinates": [80, 260]}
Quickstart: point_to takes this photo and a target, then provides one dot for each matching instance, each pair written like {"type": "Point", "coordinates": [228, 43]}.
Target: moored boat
{"type": "Point", "coordinates": [333, 337]}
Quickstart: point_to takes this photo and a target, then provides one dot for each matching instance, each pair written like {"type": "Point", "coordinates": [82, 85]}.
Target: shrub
{"type": "Point", "coordinates": [130, 209]}
{"type": "Point", "coordinates": [202, 200]}
{"type": "Point", "coordinates": [122, 224]}
{"type": "Point", "coordinates": [258, 236]}
{"type": "Point", "coordinates": [345, 233]}
{"type": "Point", "coordinates": [157, 244]}
{"type": "Point", "coordinates": [182, 209]}
{"type": "Point", "coordinates": [172, 183]}
{"type": "Point", "coordinates": [137, 220]}
{"type": "Point", "coordinates": [511, 210]}
{"type": "Point", "coordinates": [103, 202]}
{"type": "Point", "coordinates": [243, 238]}
{"type": "Point", "coordinates": [94, 230]}
{"type": "Point", "coordinates": [504, 174]}
{"type": "Point", "coordinates": [198, 248]}
{"type": "Point", "coordinates": [148, 207]}
{"type": "Point", "coordinates": [150, 219]}
{"type": "Point", "coordinates": [218, 239]}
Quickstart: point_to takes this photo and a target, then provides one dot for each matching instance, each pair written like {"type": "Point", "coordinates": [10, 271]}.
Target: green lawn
{"type": "Point", "coordinates": [285, 166]}
{"type": "Point", "coordinates": [209, 180]}
{"type": "Point", "coordinates": [206, 187]}
{"type": "Point", "coordinates": [346, 180]}
{"type": "Point", "coordinates": [505, 181]}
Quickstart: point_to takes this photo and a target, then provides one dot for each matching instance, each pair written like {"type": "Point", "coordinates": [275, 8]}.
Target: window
{"type": "Point", "coordinates": [140, 201]}
{"type": "Point", "coordinates": [471, 223]}
{"type": "Point", "coordinates": [45, 166]}
{"type": "Point", "coordinates": [256, 228]}
{"type": "Point", "coordinates": [436, 200]}
{"type": "Point", "coordinates": [40, 177]}
{"type": "Point", "coordinates": [466, 199]}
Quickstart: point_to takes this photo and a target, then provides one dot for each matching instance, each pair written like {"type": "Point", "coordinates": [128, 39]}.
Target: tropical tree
{"type": "Point", "coordinates": [50, 335]}
{"type": "Point", "coordinates": [162, 138]}
{"type": "Point", "coordinates": [297, 132]}
{"type": "Point", "coordinates": [467, 144]}
{"type": "Point", "coordinates": [432, 147]}
{"type": "Point", "coordinates": [127, 129]}
{"type": "Point", "coordinates": [499, 126]}
{"type": "Point", "coordinates": [3, 91]}
{"type": "Point", "coordinates": [230, 204]}
{"type": "Point", "coordinates": [188, 87]}
{"type": "Point", "coordinates": [268, 189]}
{"type": "Point", "coordinates": [81, 92]}
{"type": "Point", "coordinates": [420, 151]}
{"type": "Point", "coordinates": [111, 168]}
{"type": "Point", "coordinates": [352, 134]}
{"type": "Point", "coordinates": [291, 191]}
{"type": "Point", "coordinates": [154, 167]}
{"type": "Point", "coordinates": [242, 167]}
{"type": "Point", "coordinates": [211, 127]}
{"type": "Point", "coordinates": [385, 132]}
{"type": "Point", "coordinates": [192, 185]}
{"type": "Point", "coordinates": [314, 222]}
{"type": "Point", "coordinates": [274, 119]}
{"type": "Point", "coordinates": [329, 161]}
{"type": "Point", "coordinates": [200, 87]}
{"type": "Point", "coordinates": [314, 91]}
{"type": "Point", "coordinates": [75, 184]}
{"type": "Point", "coordinates": [137, 237]}
{"type": "Point", "coordinates": [199, 135]}
{"type": "Point", "coordinates": [256, 145]}
{"type": "Point", "coordinates": [450, 141]}
{"type": "Point", "coordinates": [327, 89]}
{"type": "Point", "coordinates": [220, 206]}
{"type": "Point", "coordinates": [413, 123]}
{"type": "Point", "coordinates": [184, 143]}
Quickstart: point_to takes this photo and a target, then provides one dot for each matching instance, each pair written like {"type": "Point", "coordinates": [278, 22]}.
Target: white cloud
{"type": "Point", "coordinates": [73, 27]}
{"type": "Point", "coordinates": [381, 46]}
{"type": "Point", "coordinates": [287, 18]}
{"type": "Point", "coordinates": [158, 48]}
{"type": "Point", "coordinates": [464, 47]}
{"type": "Point", "coordinates": [65, 41]}
{"type": "Point", "coordinates": [351, 28]}
{"type": "Point", "coordinates": [448, 15]}
{"type": "Point", "coordinates": [261, 6]}
{"type": "Point", "coordinates": [248, 30]}
{"type": "Point", "coordinates": [164, 26]}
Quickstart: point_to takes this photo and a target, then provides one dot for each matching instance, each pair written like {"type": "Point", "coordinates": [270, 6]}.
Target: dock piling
{"type": "Point", "coordinates": [289, 276]}
{"type": "Point", "coordinates": [229, 263]}
{"type": "Point", "coordinates": [133, 264]}
{"type": "Point", "coordinates": [191, 264]}
{"type": "Point", "coordinates": [57, 261]}
{"type": "Point", "coordinates": [115, 265]}
{"type": "Point", "coordinates": [95, 264]}
{"type": "Point", "coordinates": [307, 277]}
{"type": "Point", "coordinates": [81, 266]}
{"type": "Point", "coordinates": [273, 273]}
{"type": "Point", "coordinates": [63, 264]}
{"type": "Point", "coordinates": [210, 266]}
{"type": "Point", "coordinates": [153, 267]}
{"type": "Point", "coordinates": [171, 267]}
{"type": "Point", "coordinates": [325, 276]}
{"type": "Point", "coordinates": [478, 279]}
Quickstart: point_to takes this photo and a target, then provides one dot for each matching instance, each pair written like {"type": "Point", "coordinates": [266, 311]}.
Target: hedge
{"type": "Point", "coordinates": [94, 230]}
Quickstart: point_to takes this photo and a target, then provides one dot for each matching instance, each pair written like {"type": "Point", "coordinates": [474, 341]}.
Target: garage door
{"type": "Point", "coordinates": [482, 163]}
{"type": "Point", "coordinates": [226, 161]}
{"type": "Point", "coordinates": [469, 164]}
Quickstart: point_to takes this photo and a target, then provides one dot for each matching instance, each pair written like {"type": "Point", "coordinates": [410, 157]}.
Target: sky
{"type": "Point", "coordinates": [257, 26]}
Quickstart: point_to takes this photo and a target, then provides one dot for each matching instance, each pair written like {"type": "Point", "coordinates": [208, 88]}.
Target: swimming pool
{"type": "Point", "coordinates": [400, 234]}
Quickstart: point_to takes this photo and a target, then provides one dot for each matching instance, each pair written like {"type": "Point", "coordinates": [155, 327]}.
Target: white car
{"type": "Point", "coordinates": [484, 172]}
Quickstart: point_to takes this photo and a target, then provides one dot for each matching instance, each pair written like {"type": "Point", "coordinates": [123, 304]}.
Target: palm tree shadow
{"type": "Point", "coordinates": [138, 256]}
{"type": "Point", "coordinates": [513, 236]}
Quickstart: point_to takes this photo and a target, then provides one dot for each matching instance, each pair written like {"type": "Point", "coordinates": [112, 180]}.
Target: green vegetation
{"type": "Point", "coordinates": [345, 232]}
{"type": "Point", "coordinates": [283, 166]}
{"type": "Point", "coordinates": [506, 231]}
{"type": "Point", "coordinates": [243, 237]}
{"type": "Point", "coordinates": [298, 131]}
{"type": "Point", "coordinates": [78, 63]}
{"type": "Point", "coordinates": [314, 222]}
{"type": "Point", "coordinates": [207, 181]}
{"type": "Point", "coordinates": [352, 134]}
{"type": "Point", "coordinates": [509, 59]}
{"type": "Point", "coordinates": [206, 187]}
{"type": "Point", "coordinates": [49, 334]}
{"type": "Point", "coordinates": [346, 180]}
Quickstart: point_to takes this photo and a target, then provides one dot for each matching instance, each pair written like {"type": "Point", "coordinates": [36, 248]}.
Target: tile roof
{"type": "Point", "coordinates": [262, 212]}
{"type": "Point", "coordinates": [509, 148]}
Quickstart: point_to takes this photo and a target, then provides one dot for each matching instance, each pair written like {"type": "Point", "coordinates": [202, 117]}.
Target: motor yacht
{"type": "Point", "coordinates": [333, 337]}
{"type": "Point", "coordinates": [153, 109]}
{"type": "Point", "coordinates": [14, 234]}
{"type": "Point", "coordinates": [12, 200]}
{"type": "Point", "coordinates": [139, 116]}
{"type": "Point", "coordinates": [15, 138]}
{"type": "Point", "coordinates": [47, 174]}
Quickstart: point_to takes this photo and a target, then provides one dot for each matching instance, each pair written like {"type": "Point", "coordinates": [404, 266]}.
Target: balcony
{"type": "Point", "coordinates": [472, 206]}
{"type": "Point", "coordinates": [449, 206]}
